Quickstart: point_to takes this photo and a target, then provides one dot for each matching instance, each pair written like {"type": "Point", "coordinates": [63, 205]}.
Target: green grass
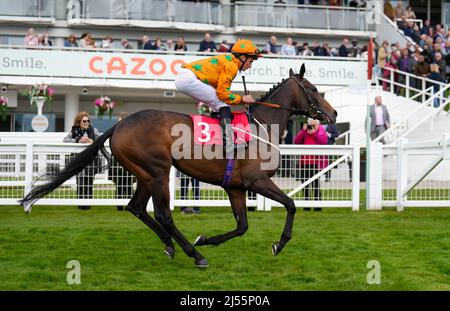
{"type": "Point", "coordinates": [328, 251]}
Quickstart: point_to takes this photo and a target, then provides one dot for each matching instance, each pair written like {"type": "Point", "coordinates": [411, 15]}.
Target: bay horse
{"type": "Point", "coordinates": [142, 144]}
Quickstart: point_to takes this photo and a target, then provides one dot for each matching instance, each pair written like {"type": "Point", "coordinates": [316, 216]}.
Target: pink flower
{"type": "Point", "coordinates": [50, 91]}
{"type": "Point", "coordinates": [111, 105]}
{"type": "Point", "coordinates": [3, 100]}
{"type": "Point", "coordinates": [98, 102]}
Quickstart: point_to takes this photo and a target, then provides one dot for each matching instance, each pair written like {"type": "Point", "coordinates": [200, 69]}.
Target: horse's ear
{"type": "Point", "coordinates": [291, 72]}
{"type": "Point", "coordinates": [302, 71]}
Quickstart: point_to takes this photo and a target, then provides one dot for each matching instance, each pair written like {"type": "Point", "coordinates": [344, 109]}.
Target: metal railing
{"type": "Point", "coordinates": [28, 8]}
{"type": "Point", "coordinates": [346, 136]}
{"type": "Point", "coordinates": [413, 174]}
{"type": "Point", "coordinates": [147, 10]}
{"type": "Point", "coordinates": [300, 16]}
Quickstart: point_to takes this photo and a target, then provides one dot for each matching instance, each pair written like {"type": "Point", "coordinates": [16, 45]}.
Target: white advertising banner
{"type": "Point", "coordinates": [164, 67]}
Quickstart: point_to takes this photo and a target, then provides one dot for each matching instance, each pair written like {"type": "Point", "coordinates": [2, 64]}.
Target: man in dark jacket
{"type": "Point", "coordinates": [343, 50]}
{"type": "Point", "coordinates": [207, 45]}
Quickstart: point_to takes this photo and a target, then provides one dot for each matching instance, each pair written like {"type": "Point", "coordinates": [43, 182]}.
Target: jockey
{"type": "Point", "coordinates": [209, 80]}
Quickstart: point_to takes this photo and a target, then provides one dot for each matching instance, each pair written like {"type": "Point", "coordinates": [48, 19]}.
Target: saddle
{"type": "Point", "coordinates": [207, 130]}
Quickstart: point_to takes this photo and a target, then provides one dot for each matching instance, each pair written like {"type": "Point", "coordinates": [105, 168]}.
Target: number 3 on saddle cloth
{"type": "Point", "coordinates": [207, 130]}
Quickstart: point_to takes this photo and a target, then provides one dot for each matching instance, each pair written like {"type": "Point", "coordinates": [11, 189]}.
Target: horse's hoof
{"type": "Point", "coordinates": [169, 251]}
{"type": "Point", "coordinates": [202, 263]}
{"type": "Point", "coordinates": [200, 240]}
{"type": "Point", "coordinates": [276, 249]}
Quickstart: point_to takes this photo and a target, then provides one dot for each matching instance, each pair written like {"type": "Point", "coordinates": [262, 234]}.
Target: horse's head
{"type": "Point", "coordinates": [310, 102]}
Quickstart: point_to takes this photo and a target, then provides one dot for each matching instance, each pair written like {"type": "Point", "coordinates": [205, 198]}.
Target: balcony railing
{"type": "Point", "coordinates": [149, 10]}
{"type": "Point", "coordinates": [301, 16]}
{"type": "Point", "coordinates": [28, 8]}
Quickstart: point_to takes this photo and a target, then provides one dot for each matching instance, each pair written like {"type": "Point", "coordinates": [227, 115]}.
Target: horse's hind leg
{"type": "Point", "coordinates": [137, 207]}
{"type": "Point", "coordinates": [238, 204]}
{"type": "Point", "coordinates": [161, 198]}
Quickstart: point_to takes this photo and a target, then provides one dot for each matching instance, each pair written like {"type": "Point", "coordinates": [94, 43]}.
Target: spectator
{"type": "Point", "coordinates": [332, 133]}
{"type": "Point", "coordinates": [159, 46]}
{"type": "Point", "coordinates": [312, 133]}
{"type": "Point", "coordinates": [82, 132]}
{"type": "Point", "coordinates": [306, 51]}
{"type": "Point", "coordinates": [435, 75]}
{"type": "Point", "coordinates": [107, 42]}
{"type": "Point", "coordinates": [71, 41]}
{"type": "Point", "coordinates": [224, 47]}
{"type": "Point", "coordinates": [401, 22]}
{"type": "Point", "coordinates": [343, 50]}
{"type": "Point", "coordinates": [288, 48]}
{"type": "Point", "coordinates": [326, 49]}
{"type": "Point", "coordinates": [169, 45]}
{"type": "Point", "coordinates": [181, 44]}
{"type": "Point", "coordinates": [399, 10]}
{"type": "Point", "coordinates": [391, 63]}
{"type": "Point", "coordinates": [382, 55]}
{"type": "Point", "coordinates": [271, 46]}
{"type": "Point", "coordinates": [416, 34]}
{"type": "Point", "coordinates": [439, 33]}
{"type": "Point", "coordinates": [31, 39]}
{"type": "Point", "coordinates": [441, 63]}
{"type": "Point", "coordinates": [125, 44]}
{"type": "Point", "coordinates": [410, 12]}
{"type": "Point", "coordinates": [85, 40]}
{"type": "Point", "coordinates": [207, 45]}
{"type": "Point", "coordinates": [355, 50]}
{"type": "Point", "coordinates": [425, 30]}
{"type": "Point", "coordinates": [422, 68]}
{"type": "Point", "coordinates": [185, 190]}
{"type": "Point", "coordinates": [318, 49]}
{"type": "Point", "coordinates": [120, 176]}
{"type": "Point", "coordinates": [44, 40]}
{"type": "Point", "coordinates": [389, 10]}
{"type": "Point", "coordinates": [408, 30]}
{"type": "Point", "coordinates": [380, 119]}
{"type": "Point", "coordinates": [146, 43]}
{"type": "Point", "coordinates": [406, 64]}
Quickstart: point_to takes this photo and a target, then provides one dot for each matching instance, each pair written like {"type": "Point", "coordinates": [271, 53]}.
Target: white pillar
{"type": "Point", "coordinates": [376, 177]}
{"type": "Point", "coordinates": [71, 108]}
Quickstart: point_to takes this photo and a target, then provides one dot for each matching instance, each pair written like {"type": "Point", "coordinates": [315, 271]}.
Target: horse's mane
{"type": "Point", "coordinates": [272, 90]}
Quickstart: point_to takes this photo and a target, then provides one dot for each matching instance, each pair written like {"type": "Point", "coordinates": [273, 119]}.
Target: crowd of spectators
{"type": "Point", "coordinates": [426, 55]}
{"type": "Point", "coordinates": [290, 47]}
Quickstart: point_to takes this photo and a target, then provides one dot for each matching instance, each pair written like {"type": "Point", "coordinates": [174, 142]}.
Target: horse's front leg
{"type": "Point", "coordinates": [238, 205]}
{"type": "Point", "coordinates": [267, 188]}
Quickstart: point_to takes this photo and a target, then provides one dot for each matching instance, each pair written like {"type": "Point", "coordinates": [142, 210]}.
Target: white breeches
{"type": "Point", "coordinates": [187, 82]}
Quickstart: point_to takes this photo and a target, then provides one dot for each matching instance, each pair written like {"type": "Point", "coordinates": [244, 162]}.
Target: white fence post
{"type": "Point", "coordinates": [402, 172]}
{"type": "Point", "coordinates": [376, 177]}
{"type": "Point", "coordinates": [172, 181]}
{"type": "Point", "coordinates": [355, 180]}
{"type": "Point", "coordinates": [267, 204]}
{"type": "Point", "coordinates": [260, 200]}
{"type": "Point", "coordinates": [29, 158]}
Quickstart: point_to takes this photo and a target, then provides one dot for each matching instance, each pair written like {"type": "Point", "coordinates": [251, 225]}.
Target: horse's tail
{"type": "Point", "coordinates": [75, 166]}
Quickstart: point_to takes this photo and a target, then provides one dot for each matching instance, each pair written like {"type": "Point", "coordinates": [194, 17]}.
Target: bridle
{"type": "Point", "coordinates": [312, 111]}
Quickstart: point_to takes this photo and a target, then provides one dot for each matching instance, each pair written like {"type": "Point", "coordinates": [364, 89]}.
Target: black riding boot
{"type": "Point", "coordinates": [228, 135]}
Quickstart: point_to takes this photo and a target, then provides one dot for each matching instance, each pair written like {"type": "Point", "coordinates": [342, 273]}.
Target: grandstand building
{"type": "Point", "coordinates": [139, 79]}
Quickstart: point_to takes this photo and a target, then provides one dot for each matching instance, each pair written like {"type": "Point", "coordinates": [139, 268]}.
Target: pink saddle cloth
{"type": "Point", "coordinates": [207, 130]}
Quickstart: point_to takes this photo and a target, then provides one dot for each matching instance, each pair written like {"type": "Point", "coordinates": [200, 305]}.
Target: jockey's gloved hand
{"type": "Point", "coordinates": [248, 99]}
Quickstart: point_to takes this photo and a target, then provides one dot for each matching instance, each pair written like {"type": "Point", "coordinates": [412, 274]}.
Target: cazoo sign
{"type": "Point", "coordinates": [164, 67]}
